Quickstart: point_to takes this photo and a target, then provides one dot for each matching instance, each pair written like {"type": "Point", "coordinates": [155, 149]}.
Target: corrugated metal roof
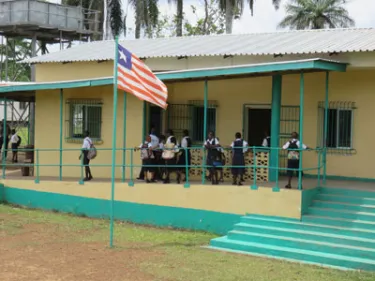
{"type": "Point", "coordinates": [277, 43]}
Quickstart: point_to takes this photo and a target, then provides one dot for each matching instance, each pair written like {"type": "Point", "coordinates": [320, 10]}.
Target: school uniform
{"type": "Point", "coordinates": [172, 145]}
{"type": "Point", "coordinates": [185, 143]}
{"type": "Point", "coordinates": [239, 147]}
{"type": "Point", "coordinates": [147, 157]}
{"type": "Point", "coordinates": [14, 142]}
{"type": "Point", "coordinates": [85, 149]}
{"type": "Point", "coordinates": [266, 142]}
{"type": "Point", "coordinates": [212, 153]}
{"type": "Point", "coordinates": [293, 155]}
{"type": "Point", "coordinates": [171, 142]}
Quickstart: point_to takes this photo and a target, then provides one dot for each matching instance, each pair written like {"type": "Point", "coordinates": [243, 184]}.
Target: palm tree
{"type": "Point", "coordinates": [234, 9]}
{"type": "Point", "coordinates": [179, 15]}
{"type": "Point", "coordinates": [146, 15]}
{"type": "Point", "coordinates": [316, 14]}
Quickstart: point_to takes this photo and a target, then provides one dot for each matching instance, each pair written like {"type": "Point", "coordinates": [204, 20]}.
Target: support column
{"type": "Point", "coordinates": [61, 133]}
{"type": "Point", "coordinates": [325, 133]}
{"type": "Point", "coordinates": [301, 108]}
{"type": "Point", "coordinates": [5, 137]}
{"type": "Point", "coordinates": [32, 105]}
{"type": "Point", "coordinates": [205, 104]}
{"type": "Point", "coordinates": [275, 126]}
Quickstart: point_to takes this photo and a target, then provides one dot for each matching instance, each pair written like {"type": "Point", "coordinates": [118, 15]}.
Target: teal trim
{"type": "Point", "coordinates": [114, 135]}
{"type": "Point", "coordinates": [205, 103]}
{"type": "Point", "coordinates": [261, 69]}
{"type": "Point", "coordinates": [61, 134]}
{"type": "Point", "coordinates": [308, 195]}
{"type": "Point", "coordinates": [301, 108]}
{"type": "Point", "coordinates": [160, 216]}
{"type": "Point", "coordinates": [124, 138]}
{"type": "Point", "coordinates": [275, 126]}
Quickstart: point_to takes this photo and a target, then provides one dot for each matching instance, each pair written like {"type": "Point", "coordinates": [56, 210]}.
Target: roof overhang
{"type": "Point", "coordinates": [218, 73]}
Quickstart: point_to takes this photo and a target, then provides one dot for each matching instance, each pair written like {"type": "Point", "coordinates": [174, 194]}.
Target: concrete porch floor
{"type": "Point", "coordinates": [307, 183]}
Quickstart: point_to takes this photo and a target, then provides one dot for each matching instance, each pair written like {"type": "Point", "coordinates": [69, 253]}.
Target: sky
{"type": "Point", "coordinates": [265, 17]}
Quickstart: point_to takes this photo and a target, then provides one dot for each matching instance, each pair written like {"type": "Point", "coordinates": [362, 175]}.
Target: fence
{"type": "Point", "coordinates": [255, 167]}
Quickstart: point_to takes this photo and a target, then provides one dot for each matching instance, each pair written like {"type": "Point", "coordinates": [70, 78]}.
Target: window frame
{"type": "Point", "coordinates": [193, 133]}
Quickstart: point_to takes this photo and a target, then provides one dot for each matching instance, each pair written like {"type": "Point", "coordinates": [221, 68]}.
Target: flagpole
{"type": "Point", "coordinates": [114, 133]}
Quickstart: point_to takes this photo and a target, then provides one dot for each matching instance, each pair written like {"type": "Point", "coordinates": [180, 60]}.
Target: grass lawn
{"type": "Point", "coordinates": [37, 245]}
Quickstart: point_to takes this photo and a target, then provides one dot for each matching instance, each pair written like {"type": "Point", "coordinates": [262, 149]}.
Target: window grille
{"type": "Point", "coordinates": [340, 126]}
{"type": "Point", "coordinates": [83, 115]}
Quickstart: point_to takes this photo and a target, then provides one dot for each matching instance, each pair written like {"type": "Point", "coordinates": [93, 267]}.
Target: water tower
{"type": "Point", "coordinates": [42, 23]}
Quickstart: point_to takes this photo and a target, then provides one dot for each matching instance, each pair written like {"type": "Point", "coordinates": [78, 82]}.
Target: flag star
{"type": "Point", "coordinates": [123, 57]}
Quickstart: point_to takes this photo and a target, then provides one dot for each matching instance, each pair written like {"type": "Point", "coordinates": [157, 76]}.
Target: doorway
{"type": "Point", "coordinates": [258, 123]}
{"type": "Point", "coordinates": [156, 119]}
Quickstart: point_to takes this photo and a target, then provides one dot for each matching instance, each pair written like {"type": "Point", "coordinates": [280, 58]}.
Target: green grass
{"type": "Point", "coordinates": [182, 257]}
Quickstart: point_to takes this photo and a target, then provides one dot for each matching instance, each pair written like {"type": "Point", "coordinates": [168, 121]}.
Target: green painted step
{"type": "Point", "coordinates": [333, 235]}
{"type": "Point", "coordinates": [357, 224]}
{"type": "Point", "coordinates": [292, 253]}
{"type": "Point", "coordinates": [345, 199]}
{"type": "Point", "coordinates": [348, 192]}
{"type": "Point", "coordinates": [307, 226]}
{"type": "Point", "coordinates": [344, 206]}
{"type": "Point", "coordinates": [298, 243]}
{"type": "Point", "coordinates": [344, 214]}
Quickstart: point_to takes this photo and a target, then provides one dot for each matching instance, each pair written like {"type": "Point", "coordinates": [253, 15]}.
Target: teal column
{"type": "Point", "coordinates": [301, 108]}
{"type": "Point", "coordinates": [124, 139]}
{"type": "Point", "coordinates": [5, 148]}
{"type": "Point", "coordinates": [61, 133]}
{"type": "Point", "coordinates": [114, 134]}
{"type": "Point", "coordinates": [275, 126]}
{"type": "Point", "coordinates": [325, 133]}
{"type": "Point", "coordinates": [205, 104]}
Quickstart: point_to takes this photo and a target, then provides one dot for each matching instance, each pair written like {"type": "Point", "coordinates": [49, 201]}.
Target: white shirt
{"type": "Point", "coordinates": [184, 142]}
{"type": "Point", "coordinates": [154, 140]}
{"type": "Point", "coordinates": [286, 146]}
{"type": "Point", "coordinates": [87, 143]}
{"type": "Point", "coordinates": [244, 145]}
{"type": "Point", "coordinates": [265, 142]}
{"type": "Point", "coordinates": [14, 138]}
{"type": "Point", "coordinates": [169, 140]}
{"type": "Point", "coordinates": [211, 141]}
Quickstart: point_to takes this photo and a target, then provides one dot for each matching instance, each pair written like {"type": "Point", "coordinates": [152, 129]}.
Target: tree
{"type": "Point", "coordinates": [146, 15]}
{"type": "Point", "coordinates": [179, 16]}
{"type": "Point", "coordinates": [115, 18]}
{"type": "Point", "coordinates": [316, 14]}
{"type": "Point", "coordinates": [234, 9]}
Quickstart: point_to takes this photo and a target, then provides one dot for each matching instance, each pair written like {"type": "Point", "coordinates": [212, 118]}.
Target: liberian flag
{"type": "Point", "coordinates": [134, 77]}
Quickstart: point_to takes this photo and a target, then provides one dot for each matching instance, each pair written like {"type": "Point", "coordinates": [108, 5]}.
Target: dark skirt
{"type": "Point", "coordinates": [86, 160]}
{"type": "Point", "coordinates": [146, 165]}
{"type": "Point", "coordinates": [14, 147]}
{"type": "Point", "coordinates": [293, 166]}
{"type": "Point", "coordinates": [238, 160]}
{"type": "Point", "coordinates": [182, 160]}
{"type": "Point", "coordinates": [171, 162]}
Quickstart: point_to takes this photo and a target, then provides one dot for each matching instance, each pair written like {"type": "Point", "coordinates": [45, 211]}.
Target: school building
{"type": "Point", "coordinates": [318, 83]}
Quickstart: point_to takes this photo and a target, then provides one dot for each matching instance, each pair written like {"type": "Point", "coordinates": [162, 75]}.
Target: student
{"type": "Point", "coordinates": [147, 156]}
{"type": "Point", "coordinates": [185, 144]}
{"type": "Point", "coordinates": [15, 142]}
{"type": "Point", "coordinates": [239, 147]}
{"type": "Point", "coordinates": [293, 146]}
{"type": "Point", "coordinates": [266, 140]}
{"type": "Point", "coordinates": [160, 170]}
{"type": "Point", "coordinates": [169, 155]}
{"type": "Point", "coordinates": [154, 143]}
{"type": "Point", "coordinates": [213, 156]}
{"type": "Point", "coordinates": [87, 144]}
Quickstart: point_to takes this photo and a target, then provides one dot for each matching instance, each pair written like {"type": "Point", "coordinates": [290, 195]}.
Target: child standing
{"type": "Point", "coordinates": [15, 141]}
{"type": "Point", "coordinates": [293, 146]}
{"type": "Point", "coordinates": [239, 147]}
{"type": "Point", "coordinates": [147, 156]}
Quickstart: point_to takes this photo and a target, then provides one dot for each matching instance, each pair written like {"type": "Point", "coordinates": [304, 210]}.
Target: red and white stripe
{"type": "Point", "coordinates": [141, 82]}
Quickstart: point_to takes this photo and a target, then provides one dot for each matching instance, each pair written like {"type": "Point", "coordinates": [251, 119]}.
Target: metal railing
{"type": "Point", "coordinates": [185, 169]}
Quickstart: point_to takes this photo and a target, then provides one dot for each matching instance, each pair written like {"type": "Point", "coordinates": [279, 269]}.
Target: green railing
{"type": "Point", "coordinates": [183, 168]}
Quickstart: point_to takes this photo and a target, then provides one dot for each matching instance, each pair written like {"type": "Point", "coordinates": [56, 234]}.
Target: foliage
{"type": "Point", "coordinates": [146, 15]}
{"type": "Point", "coordinates": [316, 14]}
{"type": "Point", "coordinates": [213, 22]}
{"type": "Point", "coordinates": [179, 16]}
{"type": "Point", "coordinates": [116, 17]}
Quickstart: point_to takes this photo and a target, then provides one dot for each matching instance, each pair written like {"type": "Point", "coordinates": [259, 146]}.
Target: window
{"type": "Point", "coordinates": [84, 115]}
{"type": "Point", "coordinates": [198, 122]}
{"type": "Point", "coordinates": [340, 125]}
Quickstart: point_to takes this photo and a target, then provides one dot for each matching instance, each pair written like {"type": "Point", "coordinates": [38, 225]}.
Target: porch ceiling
{"type": "Point", "coordinates": [13, 90]}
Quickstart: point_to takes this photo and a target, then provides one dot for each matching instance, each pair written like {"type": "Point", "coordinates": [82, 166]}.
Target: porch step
{"type": "Point", "coordinates": [344, 214]}
{"type": "Point", "coordinates": [305, 225]}
{"type": "Point", "coordinates": [345, 199]}
{"type": "Point", "coordinates": [344, 206]}
{"type": "Point", "coordinates": [348, 192]}
{"type": "Point", "coordinates": [294, 253]}
{"type": "Point", "coordinates": [348, 223]}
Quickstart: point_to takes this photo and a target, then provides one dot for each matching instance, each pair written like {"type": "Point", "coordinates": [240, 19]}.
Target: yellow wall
{"type": "Point", "coordinates": [286, 203]}
{"type": "Point", "coordinates": [47, 130]}
{"type": "Point", "coordinates": [355, 85]}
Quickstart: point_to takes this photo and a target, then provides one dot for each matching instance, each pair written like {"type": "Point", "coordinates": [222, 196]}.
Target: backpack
{"type": "Point", "coordinates": [92, 152]}
{"type": "Point", "coordinates": [293, 154]}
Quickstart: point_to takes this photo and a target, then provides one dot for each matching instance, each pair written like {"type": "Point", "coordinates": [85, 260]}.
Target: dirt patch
{"type": "Point", "coordinates": [40, 255]}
